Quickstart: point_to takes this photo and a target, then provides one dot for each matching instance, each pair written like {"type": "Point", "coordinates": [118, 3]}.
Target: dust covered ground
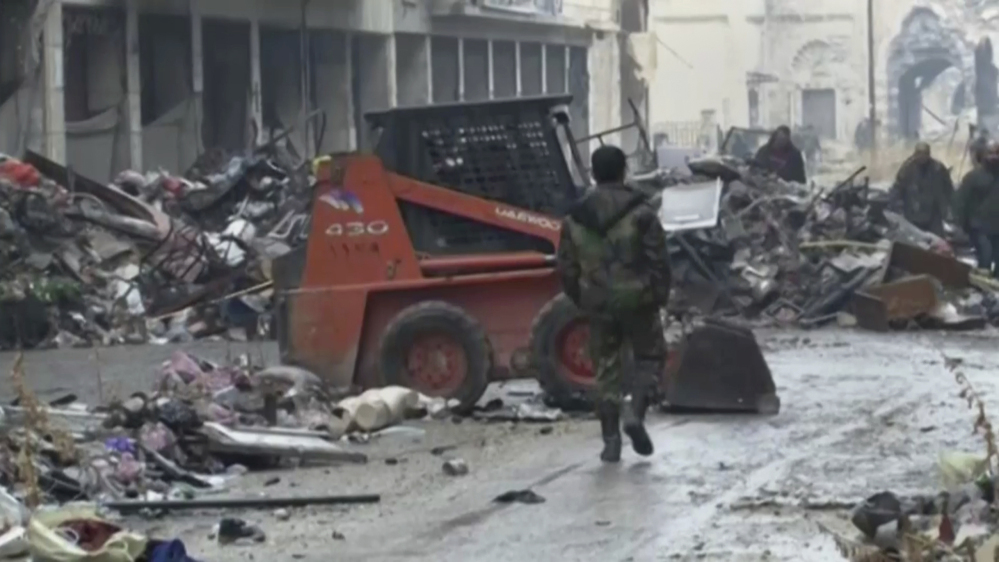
{"type": "Point", "coordinates": [861, 413]}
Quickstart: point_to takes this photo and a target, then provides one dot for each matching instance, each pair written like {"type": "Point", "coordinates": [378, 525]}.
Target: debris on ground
{"type": "Point", "coordinates": [519, 496]}
{"type": "Point", "coordinates": [201, 426]}
{"type": "Point", "coordinates": [790, 254]}
{"type": "Point", "coordinates": [63, 463]}
{"type": "Point", "coordinates": [76, 533]}
{"type": "Point", "coordinates": [149, 258]}
{"type": "Point", "coordinates": [455, 467]}
{"type": "Point", "coordinates": [957, 524]}
{"type": "Point", "coordinates": [231, 530]}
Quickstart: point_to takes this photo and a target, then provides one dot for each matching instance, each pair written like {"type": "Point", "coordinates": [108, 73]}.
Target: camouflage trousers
{"type": "Point", "coordinates": [610, 340]}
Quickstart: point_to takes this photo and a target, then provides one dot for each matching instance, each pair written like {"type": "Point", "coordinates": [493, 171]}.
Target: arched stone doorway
{"type": "Point", "coordinates": [825, 81]}
{"type": "Point", "coordinates": [919, 54]}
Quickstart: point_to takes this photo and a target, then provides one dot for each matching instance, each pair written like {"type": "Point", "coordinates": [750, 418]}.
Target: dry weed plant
{"type": "Point", "coordinates": [982, 425]}
{"type": "Point", "coordinates": [916, 547]}
{"type": "Point", "coordinates": [37, 428]}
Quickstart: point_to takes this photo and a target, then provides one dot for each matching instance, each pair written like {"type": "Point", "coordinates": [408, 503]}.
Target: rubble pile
{"type": "Point", "coordinates": [152, 257]}
{"type": "Point", "coordinates": [788, 253]}
{"type": "Point", "coordinates": [65, 466]}
{"type": "Point", "coordinates": [202, 425]}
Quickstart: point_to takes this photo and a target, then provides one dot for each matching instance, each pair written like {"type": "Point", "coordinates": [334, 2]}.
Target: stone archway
{"type": "Point", "coordinates": [825, 82]}
{"type": "Point", "coordinates": [924, 48]}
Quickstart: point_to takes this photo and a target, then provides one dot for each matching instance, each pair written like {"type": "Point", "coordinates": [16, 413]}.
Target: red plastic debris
{"type": "Point", "coordinates": [19, 173]}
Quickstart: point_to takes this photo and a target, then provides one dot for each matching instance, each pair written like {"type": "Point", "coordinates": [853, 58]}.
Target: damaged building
{"type": "Point", "coordinates": [110, 85]}
{"type": "Point", "coordinates": [767, 62]}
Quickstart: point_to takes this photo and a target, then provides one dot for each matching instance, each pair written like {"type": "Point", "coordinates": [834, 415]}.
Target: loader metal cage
{"type": "Point", "coordinates": [506, 151]}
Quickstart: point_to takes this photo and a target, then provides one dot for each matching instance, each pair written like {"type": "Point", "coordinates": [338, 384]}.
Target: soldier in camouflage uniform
{"type": "Point", "coordinates": [613, 263]}
{"type": "Point", "coordinates": [923, 191]}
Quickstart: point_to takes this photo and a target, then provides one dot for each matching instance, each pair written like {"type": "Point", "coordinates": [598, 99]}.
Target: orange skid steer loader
{"type": "Point", "coordinates": [429, 263]}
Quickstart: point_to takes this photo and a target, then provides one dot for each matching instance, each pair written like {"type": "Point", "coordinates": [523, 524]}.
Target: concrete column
{"type": "Point", "coordinates": [414, 82]}
{"type": "Point", "coordinates": [461, 69]}
{"type": "Point", "coordinates": [134, 82]}
{"type": "Point", "coordinates": [391, 61]}
{"type": "Point", "coordinates": [197, 72]}
{"type": "Point", "coordinates": [376, 77]}
{"type": "Point", "coordinates": [489, 63]}
{"type": "Point", "coordinates": [428, 42]}
{"type": "Point", "coordinates": [544, 68]}
{"type": "Point", "coordinates": [349, 71]}
{"type": "Point", "coordinates": [605, 87]}
{"type": "Point", "coordinates": [256, 99]}
{"type": "Point", "coordinates": [568, 57]}
{"type": "Point", "coordinates": [331, 74]}
{"type": "Point", "coordinates": [53, 84]}
{"type": "Point", "coordinates": [516, 56]}
{"type": "Point", "coordinates": [379, 87]}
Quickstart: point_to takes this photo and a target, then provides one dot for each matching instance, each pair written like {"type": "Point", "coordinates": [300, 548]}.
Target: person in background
{"type": "Point", "coordinates": [976, 207]}
{"type": "Point", "coordinates": [781, 157]}
{"type": "Point", "coordinates": [811, 148]}
{"type": "Point", "coordinates": [614, 266]}
{"type": "Point", "coordinates": [923, 191]}
{"type": "Point", "coordinates": [976, 148]}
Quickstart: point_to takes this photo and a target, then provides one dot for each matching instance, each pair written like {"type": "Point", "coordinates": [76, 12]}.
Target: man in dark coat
{"type": "Point", "coordinates": [613, 263]}
{"type": "Point", "coordinates": [976, 208]}
{"type": "Point", "coordinates": [923, 191]}
{"type": "Point", "coordinates": [781, 157]}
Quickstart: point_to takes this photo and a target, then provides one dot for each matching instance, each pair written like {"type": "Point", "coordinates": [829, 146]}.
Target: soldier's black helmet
{"type": "Point", "coordinates": [609, 164]}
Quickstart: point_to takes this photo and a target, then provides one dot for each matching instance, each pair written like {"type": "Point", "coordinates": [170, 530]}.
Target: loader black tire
{"type": "Point", "coordinates": [547, 333]}
{"type": "Point", "coordinates": [447, 322]}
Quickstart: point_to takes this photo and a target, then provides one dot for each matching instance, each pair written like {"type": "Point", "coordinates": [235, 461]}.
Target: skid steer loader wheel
{"type": "Point", "coordinates": [437, 349]}
{"type": "Point", "coordinates": [559, 339]}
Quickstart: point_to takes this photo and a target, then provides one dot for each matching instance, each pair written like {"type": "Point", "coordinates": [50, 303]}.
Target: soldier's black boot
{"type": "Point", "coordinates": [634, 422]}
{"type": "Point", "coordinates": [610, 429]}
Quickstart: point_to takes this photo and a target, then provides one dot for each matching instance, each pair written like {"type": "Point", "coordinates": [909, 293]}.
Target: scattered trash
{"type": "Point", "coordinates": [958, 469]}
{"type": "Point", "coordinates": [519, 496]}
{"type": "Point", "coordinates": [438, 451]}
{"type": "Point", "coordinates": [77, 533]}
{"type": "Point", "coordinates": [230, 530]}
{"type": "Point", "coordinates": [455, 467]}
{"type": "Point", "coordinates": [875, 512]}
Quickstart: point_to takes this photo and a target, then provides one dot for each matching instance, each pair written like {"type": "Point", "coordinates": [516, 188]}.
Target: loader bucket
{"type": "Point", "coordinates": [718, 367]}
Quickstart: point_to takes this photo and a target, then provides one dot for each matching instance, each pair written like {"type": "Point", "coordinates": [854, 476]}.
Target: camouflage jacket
{"type": "Point", "coordinates": [976, 202]}
{"type": "Point", "coordinates": [922, 193]}
{"type": "Point", "coordinates": [612, 253]}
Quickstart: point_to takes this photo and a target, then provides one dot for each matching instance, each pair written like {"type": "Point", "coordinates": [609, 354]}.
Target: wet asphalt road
{"type": "Point", "coordinates": [861, 413]}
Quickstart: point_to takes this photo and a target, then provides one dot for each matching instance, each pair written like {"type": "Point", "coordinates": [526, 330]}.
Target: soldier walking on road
{"type": "Point", "coordinates": [613, 264]}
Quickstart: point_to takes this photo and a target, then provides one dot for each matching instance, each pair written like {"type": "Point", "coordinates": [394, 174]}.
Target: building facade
{"type": "Point", "coordinates": [106, 85]}
{"type": "Point", "coordinates": [770, 62]}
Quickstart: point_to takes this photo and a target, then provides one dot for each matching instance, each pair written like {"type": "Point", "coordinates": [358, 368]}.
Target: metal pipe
{"type": "Point", "coordinates": [871, 94]}
{"type": "Point", "coordinates": [236, 503]}
{"type": "Point", "coordinates": [305, 69]}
